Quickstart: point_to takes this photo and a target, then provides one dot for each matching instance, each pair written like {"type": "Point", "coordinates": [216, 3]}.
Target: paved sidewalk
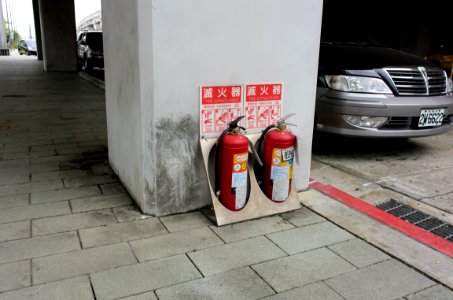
{"type": "Point", "coordinates": [69, 230]}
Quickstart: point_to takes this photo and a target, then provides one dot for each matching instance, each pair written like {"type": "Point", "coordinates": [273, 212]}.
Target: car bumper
{"type": "Point", "coordinates": [97, 61]}
{"type": "Point", "coordinates": [403, 113]}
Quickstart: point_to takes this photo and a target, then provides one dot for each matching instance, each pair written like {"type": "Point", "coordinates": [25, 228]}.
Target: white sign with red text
{"type": "Point", "coordinates": [219, 105]}
{"type": "Point", "coordinates": [263, 105]}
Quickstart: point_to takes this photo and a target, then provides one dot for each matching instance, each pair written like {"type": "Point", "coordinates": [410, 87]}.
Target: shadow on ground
{"type": "Point", "coordinates": [329, 144]}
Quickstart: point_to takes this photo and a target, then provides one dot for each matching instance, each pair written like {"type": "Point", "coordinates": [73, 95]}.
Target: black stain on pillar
{"type": "Point", "coordinates": [181, 182]}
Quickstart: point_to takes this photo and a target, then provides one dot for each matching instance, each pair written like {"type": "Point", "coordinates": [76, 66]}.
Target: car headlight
{"type": "Point", "coordinates": [365, 121]}
{"type": "Point", "coordinates": [357, 84]}
{"type": "Point", "coordinates": [449, 86]}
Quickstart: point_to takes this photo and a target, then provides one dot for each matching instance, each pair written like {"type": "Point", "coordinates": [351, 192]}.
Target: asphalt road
{"type": "Point", "coordinates": [421, 168]}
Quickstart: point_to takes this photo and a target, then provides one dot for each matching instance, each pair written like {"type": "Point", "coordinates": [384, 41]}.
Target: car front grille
{"type": "Point", "coordinates": [418, 81]}
{"type": "Point", "coordinates": [397, 123]}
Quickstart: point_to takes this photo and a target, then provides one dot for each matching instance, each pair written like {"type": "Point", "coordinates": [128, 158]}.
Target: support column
{"type": "Point", "coordinates": [58, 35]}
{"type": "Point", "coordinates": [37, 21]}
{"type": "Point", "coordinates": [3, 46]}
{"type": "Point", "coordinates": [157, 55]}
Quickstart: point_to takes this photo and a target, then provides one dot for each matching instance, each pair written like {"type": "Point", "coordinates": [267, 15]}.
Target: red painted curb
{"type": "Point", "coordinates": [407, 228]}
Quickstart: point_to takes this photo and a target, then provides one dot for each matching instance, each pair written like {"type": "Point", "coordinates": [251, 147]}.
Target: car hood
{"type": "Point", "coordinates": [334, 58]}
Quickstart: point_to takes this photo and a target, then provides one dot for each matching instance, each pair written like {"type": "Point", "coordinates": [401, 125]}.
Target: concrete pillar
{"type": "Point", "coordinates": [58, 35]}
{"type": "Point", "coordinates": [158, 53]}
{"type": "Point", "coordinates": [2, 29]}
{"type": "Point", "coordinates": [37, 21]}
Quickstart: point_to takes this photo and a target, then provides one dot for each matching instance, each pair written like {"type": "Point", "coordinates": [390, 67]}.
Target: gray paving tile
{"type": "Point", "coordinates": [72, 222]}
{"type": "Point", "coordinates": [313, 291]}
{"type": "Point", "coordinates": [442, 202]}
{"type": "Point", "coordinates": [52, 159]}
{"type": "Point", "coordinates": [24, 162]}
{"type": "Point", "coordinates": [174, 243]}
{"type": "Point", "coordinates": [28, 212]}
{"type": "Point", "coordinates": [13, 179]}
{"type": "Point", "coordinates": [121, 232]}
{"type": "Point", "coordinates": [31, 187]}
{"type": "Point", "coordinates": [15, 275]}
{"type": "Point", "coordinates": [66, 194]}
{"type": "Point", "coordinates": [39, 246]}
{"type": "Point", "coordinates": [144, 296]}
{"type": "Point", "coordinates": [237, 284]}
{"type": "Point", "coordinates": [386, 280]}
{"type": "Point", "coordinates": [300, 269]}
{"type": "Point", "coordinates": [309, 237]}
{"type": "Point", "coordinates": [359, 253]}
{"type": "Point", "coordinates": [437, 292]}
{"type": "Point", "coordinates": [40, 176]}
{"type": "Point", "coordinates": [94, 203]}
{"type": "Point", "coordinates": [14, 171]}
{"type": "Point", "coordinates": [70, 289]}
{"type": "Point", "coordinates": [46, 167]}
{"type": "Point", "coordinates": [14, 231]}
{"type": "Point", "coordinates": [253, 228]}
{"type": "Point", "coordinates": [88, 180]}
{"type": "Point", "coordinates": [19, 155]}
{"type": "Point", "coordinates": [14, 200]}
{"type": "Point", "coordinates": [54, 147]}
{"type": "Point", "coordinates": [76, 263]}
{"type": "Point", "coordinates": [185, 221]}
{"type": "Point", "coordinates": [302, 217]}
{"type": "Point", "coordinates": [144, 277]}
{"type": "Point", "coordinates": [235, 255]}
{"type": "Point", "coordinates": [129, 213]}
{"type": "Point", "coordinates": [113, 188]}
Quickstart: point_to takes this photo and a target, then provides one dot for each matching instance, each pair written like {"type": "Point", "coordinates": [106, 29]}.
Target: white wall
{"type": "Point", "coordinates": [183, 44]}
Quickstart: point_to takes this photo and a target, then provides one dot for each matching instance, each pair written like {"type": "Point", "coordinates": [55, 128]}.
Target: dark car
{"type": "Point", "coordinates": [372, 91]}
{"type": "Point", "coordinates": [27, 47]}
{"type": "Point", "coordinates": [90, 50]}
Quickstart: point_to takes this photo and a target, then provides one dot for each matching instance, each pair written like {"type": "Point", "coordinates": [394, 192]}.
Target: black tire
{"type": "Point", "coordinates": [87, 66]}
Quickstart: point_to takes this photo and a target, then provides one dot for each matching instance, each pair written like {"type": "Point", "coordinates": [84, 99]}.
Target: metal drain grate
{"type": "Point", "coordinates": [418, 218]}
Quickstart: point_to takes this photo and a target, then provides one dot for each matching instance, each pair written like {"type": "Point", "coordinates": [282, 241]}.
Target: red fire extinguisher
{"type": "Point", "coordinates": [232, 166]}
{"type": "Point", "coordinates": [277, 149]}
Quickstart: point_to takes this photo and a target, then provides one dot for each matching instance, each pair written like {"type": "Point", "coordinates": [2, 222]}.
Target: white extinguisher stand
{"type": "Point", "coordinates": [213, 105]}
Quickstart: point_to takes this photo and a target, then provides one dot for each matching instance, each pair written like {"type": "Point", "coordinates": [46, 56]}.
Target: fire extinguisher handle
{"type": "Point", "coordinates": [255, 154]}
{"type": "Point", "coordinates": [233, 124]}
{"type": "Point", "coordinates": [282, 120]}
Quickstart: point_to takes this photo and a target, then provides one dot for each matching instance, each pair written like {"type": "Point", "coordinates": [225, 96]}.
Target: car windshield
{"type": "Point", "coordinates": [31, 43]}
{"type": "Point", "coordinates": [94, 39]}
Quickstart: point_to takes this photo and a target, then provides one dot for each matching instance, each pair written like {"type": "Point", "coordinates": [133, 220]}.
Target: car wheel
{"type": "Point", "coordinates": [87, 65]}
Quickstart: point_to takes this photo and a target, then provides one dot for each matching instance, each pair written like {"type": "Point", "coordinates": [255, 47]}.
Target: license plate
{"type": "Point", "coordinates": [431, 117]}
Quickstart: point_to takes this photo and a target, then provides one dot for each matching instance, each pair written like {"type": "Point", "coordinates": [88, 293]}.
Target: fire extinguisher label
{"type": "Point", "coordinates": [239, 178]}
{"type": "Point", "coordinates": [281, 172]}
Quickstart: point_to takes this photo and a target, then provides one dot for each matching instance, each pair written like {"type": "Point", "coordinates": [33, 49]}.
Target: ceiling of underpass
{"type": "Point", "coordinates": [409, 26]}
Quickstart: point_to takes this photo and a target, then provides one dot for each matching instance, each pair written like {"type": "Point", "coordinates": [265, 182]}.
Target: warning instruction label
{"type": "Point", "coordinates": [263, 105]}
{"type": "Point", "coordinates": [281, 172]}
{"type": "Point", "coordinates": [219, 105]}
